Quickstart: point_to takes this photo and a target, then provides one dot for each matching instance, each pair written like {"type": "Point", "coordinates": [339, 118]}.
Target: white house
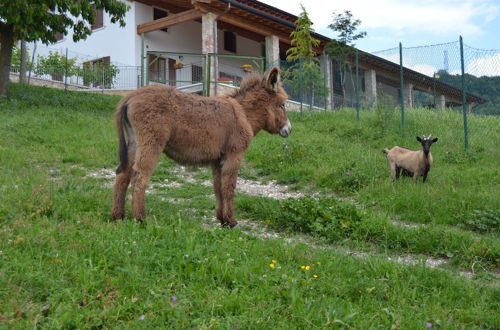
{"type": "Point", "coordinates": [167, 41]}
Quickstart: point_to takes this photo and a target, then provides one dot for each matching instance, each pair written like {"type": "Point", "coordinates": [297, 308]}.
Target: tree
{"type": "Point", "coordinates": [32, 20]}
{"type": "Point", "coordinates": [302, 40]}
{"type": "Point", "coordinates": [342, 48]}
{"type": "Point", "coordinates": [305, 74]}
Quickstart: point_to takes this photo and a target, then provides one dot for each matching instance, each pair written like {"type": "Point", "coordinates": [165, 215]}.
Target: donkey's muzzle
{"type": "Point", "coordinates": [286, 130]}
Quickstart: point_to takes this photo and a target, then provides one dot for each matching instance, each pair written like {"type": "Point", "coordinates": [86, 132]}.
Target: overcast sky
{"type": "Point", "coordinates": [413, 23]}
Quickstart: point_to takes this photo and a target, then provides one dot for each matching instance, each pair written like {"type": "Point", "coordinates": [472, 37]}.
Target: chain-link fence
{"type": "Point", "coordinates": [451, 76]}
{"type": "Point", "coordinates": [453, 82]}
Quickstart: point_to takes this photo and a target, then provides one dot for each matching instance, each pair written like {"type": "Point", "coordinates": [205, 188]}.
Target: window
{"type": "Point", "coordinates": [230, 41]}
{"type": "Point", "coordinates": [196, 73]}
{"type": "Point", "coordinates": [98, 73]}
{"type": "Point", "coordinates": [99, 19]}
{"type": "Point", "coordinates": [157, 69]}
{"type": "Point", "coordinates": [159, 13]}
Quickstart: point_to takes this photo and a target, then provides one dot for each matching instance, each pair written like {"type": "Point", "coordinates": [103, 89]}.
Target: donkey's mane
{"type": "Point", "coordinates": [248, 83]}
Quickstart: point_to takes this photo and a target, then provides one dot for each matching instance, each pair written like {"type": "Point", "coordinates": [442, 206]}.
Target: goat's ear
{"type": "Point", "coordinates": [434, 140]}
{"type": "Point", "coordinates": [272, 78]}
{"type": "Point", "coordinates": [419, 139]}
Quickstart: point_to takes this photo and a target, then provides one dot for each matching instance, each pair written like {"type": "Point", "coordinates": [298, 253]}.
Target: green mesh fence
{"type": "Point", "coordinates": [445, 88]}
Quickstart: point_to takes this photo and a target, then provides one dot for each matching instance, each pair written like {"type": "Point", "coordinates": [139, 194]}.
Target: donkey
{"type": "Point", "coordinates": [194, 130]}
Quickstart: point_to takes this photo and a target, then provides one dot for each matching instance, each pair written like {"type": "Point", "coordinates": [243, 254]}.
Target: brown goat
{"type": "Point", "coordinates": [411, 162]}
{"type": "Point", "coordinates": [194, 130]}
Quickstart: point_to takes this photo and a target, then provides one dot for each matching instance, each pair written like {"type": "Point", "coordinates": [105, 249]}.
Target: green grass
{"type": "Point", "coordinates": [63, 264]}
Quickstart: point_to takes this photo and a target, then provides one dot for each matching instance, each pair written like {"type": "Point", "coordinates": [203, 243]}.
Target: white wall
{"type": "Point", "coordinates": [110, 40]}
{"type": "Point", "coordinates": [187, 38]}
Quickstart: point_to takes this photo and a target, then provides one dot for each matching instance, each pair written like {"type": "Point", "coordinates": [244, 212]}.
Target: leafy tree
{"type": "Point", "coordinates": [56, 65]}
{"type": "Point", "coordinates": [302, 40]}
{"type": "Point", "coordinates": [32, 20]}
{"type": "Point", "coordinates": [342, 48]}
{"type": "Point", "coordinates": [304, 75]}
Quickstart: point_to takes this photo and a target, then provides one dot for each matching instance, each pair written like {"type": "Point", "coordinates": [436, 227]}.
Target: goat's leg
{"type": "Point", "coordinates": [146, 159]}
{"type": "Point", "coordinates": [393, 171]}
{"type": "Point", "coordinates": [398, 172]}
{"type": "Point", "coordinates": [229, 174]}
{"type": "Point", "coordinates": [425, 177]}
{"type": "Point", "coordinates": [120, 188]}
{"type": "Point", "coordinates": [216, 180]}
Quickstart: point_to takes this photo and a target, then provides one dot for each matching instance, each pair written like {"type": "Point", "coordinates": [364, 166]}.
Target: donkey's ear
{"type": "Point", "coordinates": [272, 78]}
{"type": "Point", "coordinates": [434, 140]}
{"type": "Point", "coordinates": [419, 139]}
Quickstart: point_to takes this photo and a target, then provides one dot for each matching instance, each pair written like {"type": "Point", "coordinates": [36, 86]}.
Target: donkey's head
{"type": "Point", "coordinates": [426, 143]}
{"type": "Point", "coordinates": [276, 120]}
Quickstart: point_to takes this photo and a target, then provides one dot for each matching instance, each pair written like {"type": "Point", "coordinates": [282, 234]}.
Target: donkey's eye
{"type": "Point", "coordinates": [282, 106]}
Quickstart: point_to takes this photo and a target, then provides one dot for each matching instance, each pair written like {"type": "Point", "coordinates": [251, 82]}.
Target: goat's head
{"type": "Point", "coordinates": [426, 143]}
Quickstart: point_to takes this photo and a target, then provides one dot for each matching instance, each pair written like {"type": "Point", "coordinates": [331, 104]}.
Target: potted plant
{"type": "Point", "coordinates": [225, 80]}
{"type": "Point", "coordinates": [178, 65]}
{"type": "Point", "coordinates": [247, 67]}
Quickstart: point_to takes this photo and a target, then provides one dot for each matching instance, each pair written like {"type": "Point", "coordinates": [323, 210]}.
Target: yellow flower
{"type": "Point", "coordinates": [308, 267]}
{"type": "Point", "coordinates": [315, 276]}
{"type": "Point", "coordinates": [317, 262]}
{"type": "Point", "coordinates": [302, 267]}
{"type": "Point", "coordinates": [272, 265]}
{"type": "Point", "coordinates": [274, 261]}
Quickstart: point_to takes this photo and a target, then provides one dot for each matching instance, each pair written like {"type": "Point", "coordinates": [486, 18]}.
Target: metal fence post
{"type": "Point", "coordinates": [325, 69]}
{"type": "Point", "coordinates": [66, 71]}
{"type": "Point", "coordinates": [142, 59]}
{"type": "Point", "coordinates": [301, 87]}
{"type": "Point", "coordinates": [357, 84]}
{"type": "Point", "coordinates": [401, 92]}
{"type": "Point", "coordinates": [464, 99]}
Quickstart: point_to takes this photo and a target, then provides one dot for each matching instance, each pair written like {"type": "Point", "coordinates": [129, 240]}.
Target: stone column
{"type": "Point", "coordinates": [326, 71]}
{"type": "Point", "coordinates": [408, 95]}
{"type": "Point", "coordinates": [208, 30]}
{"type": "Point", "coordinates": [370, 88]}
{"type": "Point", "coordinates": [440, 102]}
{"type": "Point", "coordinates": [469, 107]}
{"type": "Point", "coordinates": [272, 51]}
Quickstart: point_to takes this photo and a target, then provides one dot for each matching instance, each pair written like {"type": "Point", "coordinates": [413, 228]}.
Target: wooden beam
{"type": "Point", "coordinates": [240, 22]}
{"type": "Point", "coordinates": [171, 20]}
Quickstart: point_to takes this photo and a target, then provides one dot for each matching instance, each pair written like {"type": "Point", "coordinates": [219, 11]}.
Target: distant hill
{"type": "Point", "coordinates": [485, 87]}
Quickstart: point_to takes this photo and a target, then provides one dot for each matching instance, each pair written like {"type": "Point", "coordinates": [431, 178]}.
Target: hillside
{"type": "Point", "coordinates": [355, 251]}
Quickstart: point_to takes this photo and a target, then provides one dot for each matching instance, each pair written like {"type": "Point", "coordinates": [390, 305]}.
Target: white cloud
{"type": "Point", "coordinates": [428, 16]}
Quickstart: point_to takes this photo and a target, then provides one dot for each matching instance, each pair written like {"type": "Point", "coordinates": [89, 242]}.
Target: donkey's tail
{"type": "Point", "coordinates": [385, 151]}
{"type": "Point", "coordinates": [122, 120]}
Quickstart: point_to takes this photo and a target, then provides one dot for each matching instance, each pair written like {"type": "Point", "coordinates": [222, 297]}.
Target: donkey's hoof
{"type": "Point", "coordinates": [117, 216]}
{"type": "Point", "coordinates": [229, 223]}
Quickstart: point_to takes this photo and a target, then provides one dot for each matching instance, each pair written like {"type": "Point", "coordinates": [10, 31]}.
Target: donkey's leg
{"type": "Point", "coordinates": [216, 178]}
{"type": "Point", "coordinates": [145, 162]}
{"type": "Point", "coordinates": [229, 174]}
{"type": "Point", "coordinates": [120, 188]}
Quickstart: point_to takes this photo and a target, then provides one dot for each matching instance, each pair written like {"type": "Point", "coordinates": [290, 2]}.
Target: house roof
{"type": "Point", "coordinates": [254, 20]}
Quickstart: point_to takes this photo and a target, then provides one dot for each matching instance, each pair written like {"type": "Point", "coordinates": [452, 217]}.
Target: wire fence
{"type": "Point", "coordinates": [451, 76]}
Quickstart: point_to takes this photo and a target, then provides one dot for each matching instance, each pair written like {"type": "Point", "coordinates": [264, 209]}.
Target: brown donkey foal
{"type": "Point", "coordinates": [194, 130]}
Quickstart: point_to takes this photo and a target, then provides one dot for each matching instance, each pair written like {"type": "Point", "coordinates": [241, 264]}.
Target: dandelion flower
{"type": "Point", "coordinates": [272, 265]}
{"type": "Point", "coordinates": [315, 276]}
{"type": "Point", "coordinates": [308, 267]}
{"type": "Point", "coordinates": [318, 263]}
{"type": "Point", "coordinates": [302, 267]}
{"type": "Point", "coordinates": [274, 261]}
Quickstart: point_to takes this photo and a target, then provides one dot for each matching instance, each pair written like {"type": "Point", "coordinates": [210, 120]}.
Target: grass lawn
{"type": "Point", "coordinates": [64, 264]}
